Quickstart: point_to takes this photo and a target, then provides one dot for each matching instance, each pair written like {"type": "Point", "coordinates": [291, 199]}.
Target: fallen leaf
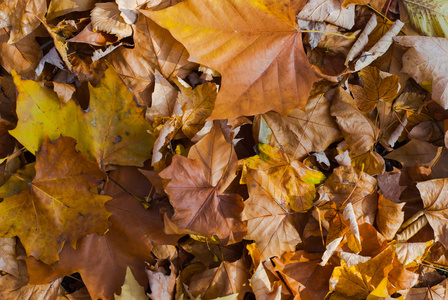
{"type": "Point", "coordinates": [389, 217]}
{"type": "Point", "coordinates": [129, 9]}
{"type": "Point", "coordinates": [91, 37]}
{"type": "Point", "coordinates": [348, 184]}
{"type": "Point", "coordinates": [330, 11]}
{"type": "Point", "coordinates": [106, 17]}
{"type": "Point", "coordinates": [227, 279]}
{"type": "Point", "coordinates": [256, 62]}
{"type": "Point", "coordinates": [433, 193]}
{"type": "Point", "coordinates": [291, 177]}
{"type": "Point", "coordinates": [267, 217]}
{"type": "Point", "coordinates": [131, 289]}
{"type": "Point", "coordinates": [8, 262]}
{"type": "Point", "coordinates": [161, 283]}
{"type": "Point", "coordinates": [377, 87]}
{"type": "Point", "coordinates": [22, 56]}
{"type": "Point", "coordinates": [203, 181]}
{"type": "Point", "coordinates": [20, 16]}
{"type": "Point", "coordinates": [197, 105]}
{"type": "Point", "coordinates": [103, 136]}
{"type": "Point", "coordinates": [380, 47]}
{"type": "Point", "coordinates": [414, 151]}
{"type": "Point", "coordinates": [427, 61]}
{"type": "Point", "coordinates": [428, 18]}
{"type": "Point", "coordinates": [62, 7]}
{"type": "Point", "coordinates": [358, 281]}
{"type": "Point", "coordinates": [303, 132]}
{"type": "Point", "coordinates": [359, 131]}
{"type": "Point", "coordinates": [102, 260]}
{"type": "Point", "coordinates": [52, 205]}
{"type": "Point", "coordinates": [377, 4]}
{"type": "Point", "coordinates": [301, 272]}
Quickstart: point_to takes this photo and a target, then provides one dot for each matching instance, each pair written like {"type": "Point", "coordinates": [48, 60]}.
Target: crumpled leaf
{"type": "Point", "coordinates": [330, 11]}
{"type": "Point", "coordinates": [255, 65]}
{"type": "Point", "coordinates": [359, 131]}
{"type": "Point", "coordinates": [429, 17]}
{"type": "Point", "coordinates": [197, 186]}
{"type": "Point", "coordinates": [427, 61]}
{"type": "Point", "coordinates": [227, 279]}
{"type": "Point", "coordinates": [59, 206]}
{"type": "Point", "coordinates": [106, 17]}
{"type": "Point", "coordinates": [20, 15]}
{"type": "Point", "coordinates": [434, 196]}
{"type": "Point", "coordinates": [358, 281]}
{"type": "Point", "coordinates": [376, 88]}
{"type": "Point", "coordinates": [267, 217]}
{"type": "Point", "coordinates": [131, 289]}
{"type": "Point", "coordinates": [108, 137]}
{"type": "Point", "coordinates": [303, 132]}
{"type": "Point", "coordinates": [293, 178]}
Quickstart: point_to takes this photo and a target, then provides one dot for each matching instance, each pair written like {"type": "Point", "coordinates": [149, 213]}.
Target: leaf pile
{"type": "Point", "coordinates": [223, 149]}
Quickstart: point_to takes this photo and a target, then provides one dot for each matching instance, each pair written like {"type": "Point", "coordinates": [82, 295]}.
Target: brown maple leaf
{"type": "Point", "coordinates": [196, 189]}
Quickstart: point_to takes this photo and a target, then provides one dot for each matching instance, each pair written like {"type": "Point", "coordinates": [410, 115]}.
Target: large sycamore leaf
{"type": "Point", "coordinates": [196, 189]}
{"type": "Point", "coordinates": [427, 60]}
{"type": "Point", "coordinates": [429, 17]}
{"type": "Point", "coordinates": [267, 217]}
{"type": "Point", "coordinates": [59, 205]}
{"type": "Point", "coordinates": [102, 261]}
{"type": "Point", "coordinates": [434, 196]}
{"type": "Point", "coordinates": [112, 131]}
{"type": "Point", "coordinates": [358, 281]}
{"type": "Point", "coordinates": [254, 44]}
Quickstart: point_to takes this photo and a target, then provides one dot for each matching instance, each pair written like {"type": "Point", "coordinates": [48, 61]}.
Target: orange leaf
{"type": "Point", "coordinates": [254, 44]}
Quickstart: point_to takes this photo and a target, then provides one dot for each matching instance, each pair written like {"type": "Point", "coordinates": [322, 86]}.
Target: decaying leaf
{"type": "Point", "coordinates": [429, 18]}
{"type": "Point", "coordinates": [131, 289]}
{"type": "Point", "coordinates": [106, 17]}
